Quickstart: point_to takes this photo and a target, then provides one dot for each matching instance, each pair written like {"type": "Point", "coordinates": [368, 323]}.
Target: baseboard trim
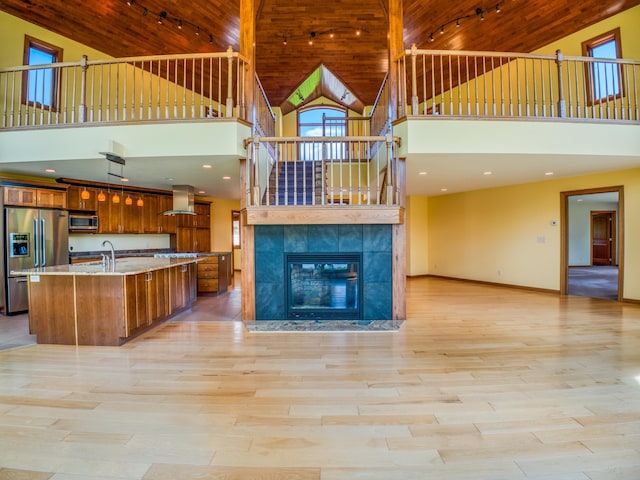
{"type": "Point", "coordinates": [631, 301]}
{"type": "Point", "coordinates": [495, 284]}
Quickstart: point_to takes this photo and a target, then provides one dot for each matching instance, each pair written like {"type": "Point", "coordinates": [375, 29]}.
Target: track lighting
{"type": "Point", "coordinates": [478, 12]}
{"type": "Point", "coordinates": [164, 17]}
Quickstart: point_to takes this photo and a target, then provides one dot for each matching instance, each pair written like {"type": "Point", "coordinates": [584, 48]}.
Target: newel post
{"type": "Point", "coordinates": [255, 180]}
{"type": "Point", "coordinates": [562, 107]}
{"type": "Point", "coordinates": [414, 84]}
{"type": "Point", "coordinates": [391, 184]}
{"type": "Point", "coordinates": [83, 89]}
{"type": "Point", "coordinates": [229, 109]}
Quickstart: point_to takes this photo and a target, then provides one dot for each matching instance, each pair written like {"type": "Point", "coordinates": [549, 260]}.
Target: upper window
{"type": "Point", "coordinates": [604, 79]}
{"type": "Point", "coordinates": [322, 122]}
{"type": "Point", "coordinates": [40, 87]}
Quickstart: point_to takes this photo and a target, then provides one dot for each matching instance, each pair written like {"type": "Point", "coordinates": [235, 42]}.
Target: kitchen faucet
{"type": "Point", "coordinates": [111, 264]}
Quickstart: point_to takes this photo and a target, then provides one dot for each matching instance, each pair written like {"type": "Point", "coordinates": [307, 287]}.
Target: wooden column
{"type": "Point", "coordinates": [399, 260]}
{"type": "Point", "coordinates": [396, 47]}
{"type": "Point", "coordinates": [248, 49]}
{"type": "Point", "coordinates": [247, 261]}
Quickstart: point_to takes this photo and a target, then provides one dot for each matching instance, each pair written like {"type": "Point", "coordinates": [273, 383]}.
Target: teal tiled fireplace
{"type": "Point", "coordinates": [371, 243]}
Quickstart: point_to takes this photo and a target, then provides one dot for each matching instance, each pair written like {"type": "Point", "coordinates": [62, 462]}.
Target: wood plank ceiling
{"type": "Point", "coordinates": [284, 57]}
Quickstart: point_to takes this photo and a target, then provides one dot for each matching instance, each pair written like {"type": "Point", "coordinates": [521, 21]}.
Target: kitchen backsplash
{"type": "Point", "coordinates": [83, 242]}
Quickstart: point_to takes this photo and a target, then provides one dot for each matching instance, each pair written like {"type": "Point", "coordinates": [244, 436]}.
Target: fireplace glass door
{"type": "Point", "coordinates": [324, 286]}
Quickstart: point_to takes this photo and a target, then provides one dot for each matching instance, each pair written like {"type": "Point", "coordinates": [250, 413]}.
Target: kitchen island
{"type": "Point", "coordinates": [93, 304]}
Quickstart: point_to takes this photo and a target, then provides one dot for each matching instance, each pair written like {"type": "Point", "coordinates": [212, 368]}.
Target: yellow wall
{"type": "Point", "coordinates": [628, 22]}
{"type": "Point", "coordinates": [506, 235]}
{"type": "Point", "coordinates": [417, 217]}
{"type": "Point", "coordinates": [221, 223]}
{"type": "Point", "coordinates": [13, 30]}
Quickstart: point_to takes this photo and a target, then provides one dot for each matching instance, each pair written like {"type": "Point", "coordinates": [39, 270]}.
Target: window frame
{"type": "Point", "coordinates": [343, 154]}
{"type": "Point", "coordinates": [49, 49]}
{"type": "Point", "coordinates": [236, 218]}
{"type": "Point", "coordinates": [587, 51]}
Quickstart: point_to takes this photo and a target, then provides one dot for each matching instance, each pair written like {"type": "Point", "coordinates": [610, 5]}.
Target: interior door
{"type": "Point", "coordinates": [603, 238]}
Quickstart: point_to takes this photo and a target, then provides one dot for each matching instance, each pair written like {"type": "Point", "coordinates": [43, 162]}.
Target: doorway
{"type": "Point", "coordinates": [592, 241]}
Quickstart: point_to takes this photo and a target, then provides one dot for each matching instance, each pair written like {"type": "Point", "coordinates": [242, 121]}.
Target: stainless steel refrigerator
{"type": "Point", "coordinates": [32, 238]}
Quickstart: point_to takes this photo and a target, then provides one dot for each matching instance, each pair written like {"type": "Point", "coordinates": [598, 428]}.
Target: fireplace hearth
{"type": "Point", "coordinates": [324, 286]}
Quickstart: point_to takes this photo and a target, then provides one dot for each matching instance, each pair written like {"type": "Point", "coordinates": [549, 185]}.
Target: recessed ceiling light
{"type": "Point", "coordinates": [49, 170]}
{"type": "Point", "coordinates": [579, 200]}
{"type": "Point", "coordinates": [124, 179]}
{"type": "Point", "coordinates": [169, 178]}
{"type": "Point", "coordinates": [422, 173]}
{"type": "Point", "coordinates": [201, 192]}
{"type": "Point", "coordinates": [548, 173]}
{"type": "Point", "coordinates": [206, 165]}
{"type": "Point", "coordinates": [226, 178]}
{"type": "Point", "coordinates": [443, 189]}
{"type": "Point", "coordinates": [487, 173]}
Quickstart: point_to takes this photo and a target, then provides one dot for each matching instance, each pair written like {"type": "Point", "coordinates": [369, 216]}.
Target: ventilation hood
{"type": "Point", "coordinates": [182, 201]}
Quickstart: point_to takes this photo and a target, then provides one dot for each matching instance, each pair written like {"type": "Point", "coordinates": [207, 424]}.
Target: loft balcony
{"type": "Point", "coordinates": [354, 170]}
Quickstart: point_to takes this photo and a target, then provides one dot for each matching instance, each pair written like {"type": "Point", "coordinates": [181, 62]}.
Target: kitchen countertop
{"type": "Point", "coordinates": [124, 266]}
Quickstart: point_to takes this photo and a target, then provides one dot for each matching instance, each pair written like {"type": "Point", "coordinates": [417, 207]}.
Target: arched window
{"type": "Point", "coordinates": [322, 121]}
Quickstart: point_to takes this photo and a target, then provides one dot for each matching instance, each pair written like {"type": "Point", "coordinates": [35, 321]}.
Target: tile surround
{"type": "Point", "coordinates": [272, 242]}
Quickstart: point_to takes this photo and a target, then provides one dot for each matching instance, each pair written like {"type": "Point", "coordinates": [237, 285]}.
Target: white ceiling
{"type": "Point", "coordinates": [453, 172]}
{"type": "Point", "coordinates": [150, 172]}
{"type": "Point", "coordinates": [465, 172]}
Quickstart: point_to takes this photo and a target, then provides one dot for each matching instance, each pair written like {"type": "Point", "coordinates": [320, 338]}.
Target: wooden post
{"type": "Point", "coordinates": [562, 107]}
{"type": "Point", "coordinates": [247, 50]}
{"type": "Point", "coordinates": [399, 260]}
{"type": "Point", "coordinates": [83, 89]}
{"type": "Point", "coordinates": [247, 256]}
{"type": "Point", "coordinates": [396, 47]}
{"type": "Point", "coordinates": [414, 80]}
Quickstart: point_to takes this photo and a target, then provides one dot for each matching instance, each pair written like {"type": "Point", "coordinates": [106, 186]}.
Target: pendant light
{"type": "Point", "coordinates": [85, 194]}
{"type": "Point", "coordinates": [128, 200]}
{"type": "Point", "coordinates": [101, 196]}
{"type": "Point", "coordinates": [140, 202]}
{"type": "Point", "coordinates": [116, 197]}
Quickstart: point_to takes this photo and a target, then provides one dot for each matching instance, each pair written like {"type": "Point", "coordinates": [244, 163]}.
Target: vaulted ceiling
{"type": "Point", "coordinates": [284, 29]}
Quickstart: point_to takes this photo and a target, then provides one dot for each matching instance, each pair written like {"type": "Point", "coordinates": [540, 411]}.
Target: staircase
{"type": "Point", "coordinates": [295, 183]}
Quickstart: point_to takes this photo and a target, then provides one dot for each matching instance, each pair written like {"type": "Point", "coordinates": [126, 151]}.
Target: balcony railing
{"type": "Point", "coordinates": [151, 88]}
{"type": "Point", "coordinates": [322, 171]}
{"type": "Point", "coordinates": [495, 84]}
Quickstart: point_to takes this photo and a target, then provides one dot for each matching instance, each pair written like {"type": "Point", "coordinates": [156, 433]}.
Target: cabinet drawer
{"type": "Point", "coordinates": [207, 285]}
{"type": "Point", "coordinates": [208, 268]}
{"type": "Point", "coordinates": [207, 259]}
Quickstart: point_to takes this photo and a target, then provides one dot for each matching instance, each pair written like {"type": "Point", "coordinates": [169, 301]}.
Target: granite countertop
{"type": "Point", "coordinates": [124, 266]}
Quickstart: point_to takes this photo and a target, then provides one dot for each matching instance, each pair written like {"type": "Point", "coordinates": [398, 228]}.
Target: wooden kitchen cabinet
{"type": "Point", "coordinates": [22, 196]}
{"type": "Point", "coordinates": [202, 240]}
{"type": "Point", "coordinates": [150, 214]}
{"type": "Point", "coordinates": [131, 216]}
{"type": "Point", "coordinates": [213, 273]}
{"type": "Point", "coordinates": [182, 286]}
{"type": "Point", "coordinates": [77, 203]}
{"type": "Point", "coordinates": [34, 197]}
{"type": "Point", "coordinates": [51, 198]}
{"type": "Point", "coordinates": [147, 299]}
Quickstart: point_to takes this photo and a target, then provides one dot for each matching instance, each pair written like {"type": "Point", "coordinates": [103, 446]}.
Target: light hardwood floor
{"type": "Point", "coordinates": [480, 382]}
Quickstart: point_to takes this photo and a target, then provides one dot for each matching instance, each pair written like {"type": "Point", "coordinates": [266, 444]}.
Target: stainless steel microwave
{"type": "Point", "coordinates": [83, 223]}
